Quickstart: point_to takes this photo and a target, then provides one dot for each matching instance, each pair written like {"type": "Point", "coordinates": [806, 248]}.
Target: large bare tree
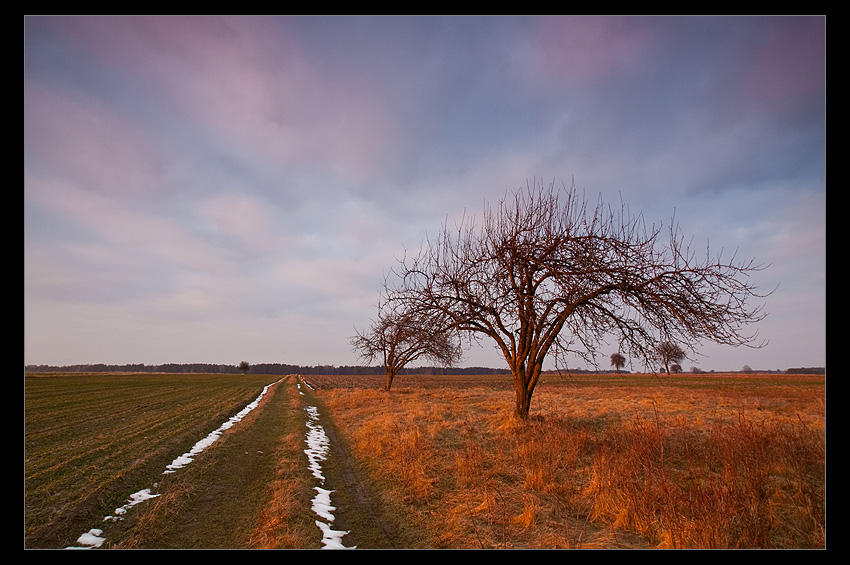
{"type": "Point", "coordinates": [548, 273]}
{"type": "Point", "coordinates": [399, 337]}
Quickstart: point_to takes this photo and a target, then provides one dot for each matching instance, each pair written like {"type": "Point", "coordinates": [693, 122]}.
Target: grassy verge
{"type": "Point", "coordinates": [372, 519]}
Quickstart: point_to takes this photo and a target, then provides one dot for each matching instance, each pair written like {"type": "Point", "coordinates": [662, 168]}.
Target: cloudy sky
{"type": "Point", "coordinates": [225, 189]}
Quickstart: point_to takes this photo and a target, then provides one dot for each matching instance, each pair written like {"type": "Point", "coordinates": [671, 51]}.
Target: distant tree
{"type": "Point", "coordinates": [545, 272]}
{"type": "Point", "coordinates": [618, 361]}
{"type": "Point", "coordinates": [244, 366]}
{"type": "Point", "coordinates": [675, 368]}
{"type": "Point", "coordinates": [670, 355]}
{"type": "Point", "coordinates": [747, 369]}
{"type": "Point", "coordinates": [399, 337]}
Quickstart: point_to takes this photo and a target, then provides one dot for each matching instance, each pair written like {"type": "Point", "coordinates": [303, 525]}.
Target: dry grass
{"type": "Point", "coordinates": [719, 462]}
{"type": "Point", "coordinates": [281, 525]}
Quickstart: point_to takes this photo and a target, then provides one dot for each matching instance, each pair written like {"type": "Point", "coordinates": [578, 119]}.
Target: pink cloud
{"type": "Point", "coordinates": [789, 64]}
{"type": "Point", "coordinates": [148, 236]}
{"type": "Point", "coordinates": [100, 149]}
{"type": "Point", "coordinates": [585, 49]}
{"type": "Point", "coordinates": [251, 82]}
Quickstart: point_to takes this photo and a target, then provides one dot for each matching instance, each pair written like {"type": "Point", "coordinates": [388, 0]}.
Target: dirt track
{"type": "Point", "coordinates": [217, 501]}
{"type": "Point", "coordinates": [357, 510]}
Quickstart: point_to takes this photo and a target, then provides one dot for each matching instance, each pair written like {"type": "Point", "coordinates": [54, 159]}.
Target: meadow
{"type": "Point", "coordinates": [606, 461]}
{"type": "Point", "coordinates": [630, 461]}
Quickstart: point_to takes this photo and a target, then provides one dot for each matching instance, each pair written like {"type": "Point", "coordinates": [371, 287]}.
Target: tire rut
{"type": "Point", "coordinates": [358, 509]}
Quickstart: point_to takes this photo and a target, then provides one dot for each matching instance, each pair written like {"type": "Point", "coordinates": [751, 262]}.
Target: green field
{"type": "Point", "coordinates": [91, 440]}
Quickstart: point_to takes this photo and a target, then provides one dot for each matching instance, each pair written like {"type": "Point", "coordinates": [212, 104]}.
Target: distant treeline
{"type": "Point", "coordinates": [806, 371]}
{"type": "Point", "coordinates": [258, 369]}
{"type": "Point", "coordinates": [284, 369]}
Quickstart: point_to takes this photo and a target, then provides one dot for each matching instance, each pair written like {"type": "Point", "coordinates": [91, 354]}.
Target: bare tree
{"type": "Point", "coordinates": [670, 355]}
{"type": "Point", "coordinates": [244, 366]}
{"type": "Point", "coordinates": [545, 273]}
{"type": "Point", "coordinates": [399, 337]}
{"type": "Point", "coordinates": [618, 361]}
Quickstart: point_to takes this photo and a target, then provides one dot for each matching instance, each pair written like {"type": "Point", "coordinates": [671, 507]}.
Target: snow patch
{"type": "Point", "coordinates": [317, 450]}
{"type": "Point", "coordinates": [135, 498]}
{"type": "Point", "coordinates": [90, 539]}
{"type": "Point", "coordinates": [188, 457]}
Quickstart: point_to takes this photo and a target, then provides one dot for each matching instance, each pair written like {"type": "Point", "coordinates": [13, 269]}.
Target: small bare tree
{"type": "Point", "coordinates": [618, 361]}
{"type": "Point", "coordinates": [401, 337]}
{"type": "Point", "coordinates": [547, 273]}
{"type": "Point", "coordinates": [670, 355]}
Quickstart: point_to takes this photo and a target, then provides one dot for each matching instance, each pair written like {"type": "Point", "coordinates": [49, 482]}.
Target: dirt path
{"type": "Point", "coordinates": [252, 488]}
{"type": "Point", "coordinates": [357, 510]}
{"type": "Point", "coordinates": [214, 502]}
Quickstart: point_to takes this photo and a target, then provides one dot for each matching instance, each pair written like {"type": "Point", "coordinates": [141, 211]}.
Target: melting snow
{"type": "Point", "coordinates": [187, 458]}
{"type": "Point", "coordinates": [90, 539]}
{"type": "Point", "coordinates": [317, 451]}
{"type": "Point", "coordinates": [135, 498]}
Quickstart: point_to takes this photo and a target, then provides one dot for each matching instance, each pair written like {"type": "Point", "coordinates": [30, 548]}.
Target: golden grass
{"type": "Point", "coordinates": [281, 525]}
{"type": "Point", "coordinates": [721, 463]}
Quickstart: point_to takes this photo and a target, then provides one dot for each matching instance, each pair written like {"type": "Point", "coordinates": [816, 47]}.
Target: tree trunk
{"type": "Point", "coordinates": [523, 393]}
{"type": "Point", "coordinates": [389, 382]}
{"type": "Point", "coordinates": [525, 380]}
{"type": "Point", "coordinates": [523, 402]}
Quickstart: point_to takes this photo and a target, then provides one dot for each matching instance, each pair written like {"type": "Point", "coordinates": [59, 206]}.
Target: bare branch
{"type": "Point", "coordinates": [400, 337]}
{"type": "Point", "coordinates": [545, 271]}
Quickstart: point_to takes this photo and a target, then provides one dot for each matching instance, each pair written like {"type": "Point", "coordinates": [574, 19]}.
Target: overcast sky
{"type": "Point", "coordinates": [224, 189]}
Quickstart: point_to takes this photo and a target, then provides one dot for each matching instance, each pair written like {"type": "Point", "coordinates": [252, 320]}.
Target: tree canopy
{"type": "Point", "coordinates": [546, 272]}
